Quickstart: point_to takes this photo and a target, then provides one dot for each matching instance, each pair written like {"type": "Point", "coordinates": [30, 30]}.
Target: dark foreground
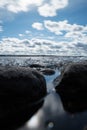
{"type": "Point", "coordinates": [51, 109]}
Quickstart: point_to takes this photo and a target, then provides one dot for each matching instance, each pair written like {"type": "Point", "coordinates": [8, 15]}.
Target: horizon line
{"type": "Point", "coordinates": [42, 55]}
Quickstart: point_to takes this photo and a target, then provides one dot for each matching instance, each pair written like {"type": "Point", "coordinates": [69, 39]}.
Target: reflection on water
{"type": "Point", "coordinates": [52, 115]}
{"type": "Point", "coordinates": [50, 125]}
{"type": "Point", "coordinates": [45, 117]}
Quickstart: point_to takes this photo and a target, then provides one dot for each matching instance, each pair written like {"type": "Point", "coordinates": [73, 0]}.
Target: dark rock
{"type": "Point", "coordinates": [36, 66]}
{"type": "Point", "coordinates": [48, 71]}
{"type": "Point", "coordinates": [21, 95]}
{"type": "Point", "coordinates": [57, 80]}
{"type": "Point", "coordinates": [51, 66]}
{"type": "Point", "coordinates": [73, 87]}
{"type": "Point", "coordinates": [78, 104]}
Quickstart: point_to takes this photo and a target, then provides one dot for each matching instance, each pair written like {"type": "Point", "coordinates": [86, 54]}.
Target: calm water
{"type": "Point", "coordinates": [52, 115]}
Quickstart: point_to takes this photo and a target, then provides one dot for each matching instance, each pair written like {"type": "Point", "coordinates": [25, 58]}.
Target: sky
{"type": "Point", "coordinates": [43, 27]}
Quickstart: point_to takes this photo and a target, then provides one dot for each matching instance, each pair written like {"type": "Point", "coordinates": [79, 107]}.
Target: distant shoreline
{"type": "Point", "coordinates": [38, 56]}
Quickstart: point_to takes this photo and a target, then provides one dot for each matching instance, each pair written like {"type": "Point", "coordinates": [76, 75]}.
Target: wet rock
{"type": "Point", "coordinates": [36, 66]}
{"type": "Point", "coordinates": [73, 87]}
{"type": "Point", "coordinates": [51, 66]}
{"type": "Point", "coordinates": [21, 95]}
{"type": "Point", "coordinates": [75, 105]}
{"type": "Point", "coordinates": [48, 71]}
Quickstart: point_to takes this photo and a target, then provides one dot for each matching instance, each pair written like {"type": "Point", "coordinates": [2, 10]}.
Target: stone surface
{"type": "Point", "coordinates": [72, 87]}
{"type": "Point", "coordinates": [21, 93]}
{"type": "Point", "coordinates": [48, 71]}
{"type": "Point", "coordinates": [36, 66]}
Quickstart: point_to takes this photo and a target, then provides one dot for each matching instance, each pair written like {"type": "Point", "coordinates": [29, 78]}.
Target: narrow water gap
{"type": "Point", "coordinates": [49, 80]}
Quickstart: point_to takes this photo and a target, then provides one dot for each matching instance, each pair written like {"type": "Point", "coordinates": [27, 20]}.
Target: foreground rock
{"type": "Point", "coordinates": [21, 93]}
{"type": "Point", "coordinates": [73, 87]}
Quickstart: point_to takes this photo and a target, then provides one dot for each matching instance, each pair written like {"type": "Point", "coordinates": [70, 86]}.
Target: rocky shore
{"type": "Point", "coordinates": [21, 95]}
{"type": "Point", "coordinates": [23, 91]}
{"type": "Point", "coordinates": [72, 87]}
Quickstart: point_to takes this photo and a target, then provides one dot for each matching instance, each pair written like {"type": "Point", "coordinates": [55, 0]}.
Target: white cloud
{"type": "Point", "coordinates": [50, 8]}
{"type": "Point", "coordinates": [15, 46]}
{"type": "Point", "coordinates": [55, 27]}
{"type": "Point", "coordinates": [45, 8]}
{"type": "Point", "coordinates": [75, 32]}
{"type": "Point", "coordinates": [41, 46]}
{"type": "Point", "coordinates": [38, 26]}
{"type": "Point", "coordinates": [21, 35]}
{"type": "Point", "coordinates": [19, 5]}
{"type": "Point", "coordinates": [63, 26]}
{"type": "Point", "coordinates": [27, 32]}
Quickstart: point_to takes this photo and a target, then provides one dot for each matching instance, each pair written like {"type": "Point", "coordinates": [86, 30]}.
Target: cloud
{"type": "Point", "coordinates": [50, 8]}
{"type": "Point", "coordinates": [74, 32]}
{"type": "Point", "coordinates": [19, 5]}
{"type": "Point", "coordinates": [65, 32]}
{"type": "Point", "coordinates": [69, 39]}
{"type": "Point", "coordinates": [41, 47]}
{"type": "Point", "coordinates": [15, 46]}
{"type": "Point", "coordinates": [63, 26]}
{"type": "Point", "coordinates": [21, 35]}
{"type": "Point", "coordinates": [27, 32]}
{"type": "Point", "coordinates": [55, 27]}
{"type": "Point", "coordinates": [38, 26]}
{"type": "Point", "coordinates": [43, 7]}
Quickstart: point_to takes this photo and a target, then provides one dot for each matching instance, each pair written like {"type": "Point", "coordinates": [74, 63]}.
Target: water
{"type": "Point", "coordinates": [43, 60]}
{"type": "Point", "coordinates": [49, 80]}
{"type": "Point", "coordinates": [52, 115]}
